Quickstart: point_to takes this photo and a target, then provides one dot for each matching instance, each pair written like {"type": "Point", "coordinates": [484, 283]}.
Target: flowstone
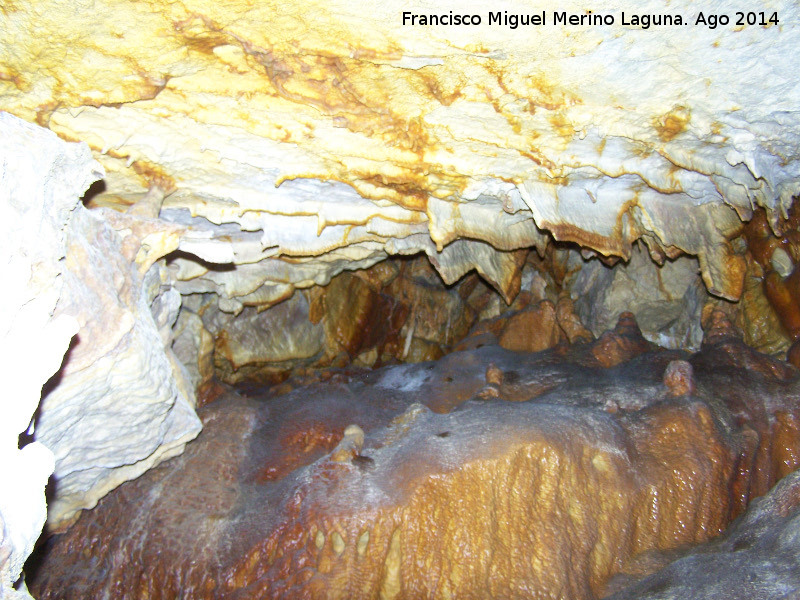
{"type": "Point", "coordinates": [489, 473]}
{"type": "Point", "coordinates": [756, 558]}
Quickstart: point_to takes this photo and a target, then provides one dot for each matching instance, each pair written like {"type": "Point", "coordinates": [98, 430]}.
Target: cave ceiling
{"type": "Point", "coordinates": [296, 140]}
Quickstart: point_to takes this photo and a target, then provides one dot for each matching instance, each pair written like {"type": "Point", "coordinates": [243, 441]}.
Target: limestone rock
{"type": "Point", "coordinates": [679, 378]}
{"type": "Point", "coordinates": [421, 350]}
{"type": "Point", "coordinates": [438, 491]}
{"type": "Point", "coordinates": [438, 315]}
{"type": "Point", "coordinates": [193, 345]}
{"type": "Point", "coordinates": [358, 317]}
{"type": "Point", "coordinates": [121, 402]}
{"type": "Point", "coordinates": [758, 319]}
{"type": "Point", "coordinates": [41, 179]}
{"type": "Point", "coordinates": [756, 558]}
{"type": "Point", "coordinates": [251, 340]}
{"type": "Point", "coordinates": [722, 335]}
{"type": "Point", "coordinates": [532, 329]}
{"type": "Point", "coordinates": [254, 152]}
{"type": "Point", "coordinates": [327, 136]}
{"type": "Point", "coordinates": [526, 326]}
{"type": "Point", "coordinates": [620, 345]}
{"type": "Point", "coordinates": [570, 323]}
{"type": "Point", "coordinates": [772, 288]}
{"type": "Point", "coordinates": [666, 300]}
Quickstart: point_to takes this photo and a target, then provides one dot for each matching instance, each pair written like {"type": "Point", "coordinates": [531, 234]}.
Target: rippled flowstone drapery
{"type": "Point", "coordinates": [299, 139]}
{"type": "Point", "coordinates": [756, 558]}
{"type": "Point", "coordinates": [487, 474]}
{"type": "Point", "coordinates": [267, 147]}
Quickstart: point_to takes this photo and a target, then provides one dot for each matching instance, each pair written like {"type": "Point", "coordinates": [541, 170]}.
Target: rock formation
{"type": "Point", "coordinates": [119, 404]}
{"type": "Point", "coordinates": [37, 198]}
{"type": "Point", "coordinates": [410, 481]}
{"type": "Point", "coordinates": [757, 558]}
{"type": "Point", "coordinates": [298, 140]}
{"type": "Point", "coordinates": [290, 189]}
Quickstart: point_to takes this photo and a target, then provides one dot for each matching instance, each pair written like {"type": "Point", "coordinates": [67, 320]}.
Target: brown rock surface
{"type": "Point", "coordinates": [358, 317]}
{"type": "Point", "coordinates": [622, 344]}
{"type": "Point", "coordinates": [255, 345]}
{"type": "Point", "coordinates": [570, 323]}
{"type": "Point", "coordinates": [756, 558]}
{"type": "Point", "coordinates": [532, 329]}
{"type": "Point", "coordinates": [438, 314]}
{"type": "Point", "coordinates": [777, 255]}
{"type": "Point", "coordinates": [541, 492]}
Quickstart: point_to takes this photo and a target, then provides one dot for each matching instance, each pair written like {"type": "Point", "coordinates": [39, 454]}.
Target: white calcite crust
{"type": "Point", "coordinates": [122, 396]}
{"type": "Point", "coordinates": [41, 179]}
{"type": "Point", "coordinates": [303, 138]}
{"type": "Point", "coordinates": [121, 402]}
{"type": "Point", "coordinates": [275, 144]}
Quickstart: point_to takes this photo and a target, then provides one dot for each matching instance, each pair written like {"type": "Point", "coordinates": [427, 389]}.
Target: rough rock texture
{"type": "Point", "coordinates": [759, 557]}
{"type": "Point", "coordinates": [256, 151]}
{"type": "Point", "coordinates": [121, 402]}
{"type": "Point", "coordinates": [193, 345]}
{"type": "Point", "coordinates": [299, 139]}
{"type": "Point", "coordinates": [532, 328]}
{"type": "Point", "coordinates": [398, 310]}
{"type": "Point", "coordinates": [283, 334]}
{"type": "Point", "coordinates": [774, 274]}
{"type": "Point", "coordinates": [490, 473]}
{"type": "Point", "coordinates": [41, 179]}
{"type": "Point", "coordinates": [667, 300]}
{"type": "Point", "coordinates": [758, 319]}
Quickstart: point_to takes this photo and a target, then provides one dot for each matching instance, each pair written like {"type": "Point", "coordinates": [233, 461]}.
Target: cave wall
{"type": "Point", "coordinates": [261, 165]}
{"type": "Point", "coordinates": [487, 474]}
{"type": "Point", "coordinates": [298, 140]}
{"type": "Point", "coordinates": [119, 404]}
{"type": "Point", "coordinates": [37, 198]}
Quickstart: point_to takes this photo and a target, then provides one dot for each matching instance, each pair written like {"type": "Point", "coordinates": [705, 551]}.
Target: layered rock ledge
{"type": "Point", "coordinates": [288, 188]}
{"type": "Point", "coordinates": [298, 139]}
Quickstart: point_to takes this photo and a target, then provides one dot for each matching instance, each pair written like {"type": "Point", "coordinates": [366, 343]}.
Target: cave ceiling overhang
{"type": "Point", "coordinates": [298, 139]}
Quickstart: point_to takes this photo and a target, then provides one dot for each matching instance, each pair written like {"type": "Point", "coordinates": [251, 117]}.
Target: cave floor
{"type": "Point", "coordinates": [488, 473]}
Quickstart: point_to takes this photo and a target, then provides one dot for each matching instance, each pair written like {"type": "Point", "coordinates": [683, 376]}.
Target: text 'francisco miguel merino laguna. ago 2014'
{"type": "Point", "coordinates": [588, 19]}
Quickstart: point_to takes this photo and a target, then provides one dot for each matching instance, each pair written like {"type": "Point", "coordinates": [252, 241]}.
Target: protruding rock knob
{"type": "Point", "coordinates": [350, 446]}
{"type": "Point", "coordinates": [494, 375]}
{"type": "Point", "coordinates": [679, 378]}
{"type": "Point", "coordinates": [494, 379]}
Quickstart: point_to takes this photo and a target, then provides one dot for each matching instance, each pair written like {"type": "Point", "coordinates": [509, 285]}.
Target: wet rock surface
{"type": "Point", "coordinates": [270, 171]}
{"type": "Point", "coordinates": [756, 558]}
{"type": "Point", "coordinates": [489, 473]}
{"type": "Point", "coordinates": [666, 299]}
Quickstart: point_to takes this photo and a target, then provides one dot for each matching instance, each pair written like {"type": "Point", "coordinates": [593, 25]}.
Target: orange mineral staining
{"type": "Point", "coordinates": [622, 344]}
{"type": "Point", "coordinates": [610, 452]}
{"type": "Point", "coordinates": [777, 256]}
{"type": "Point", "coordinates": [533, 329]}
{"type": "Point", "coordinates": [673, 123]}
